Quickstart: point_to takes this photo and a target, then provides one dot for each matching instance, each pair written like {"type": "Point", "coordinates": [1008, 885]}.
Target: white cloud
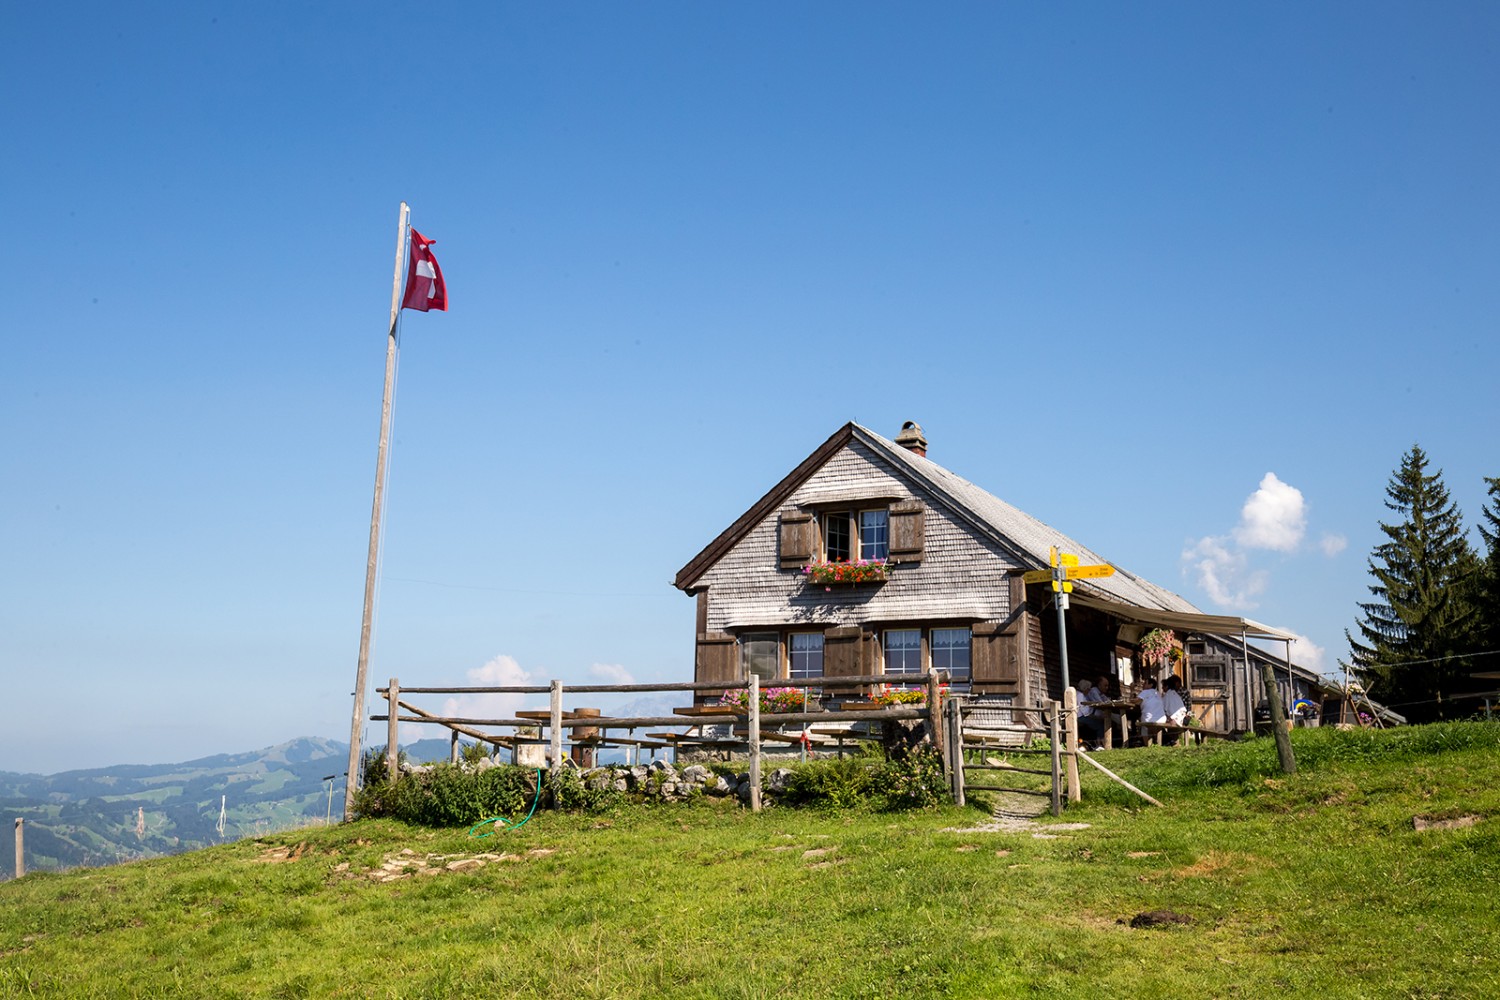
{"type": "Point", "coordinates": [502, 671]}
{"type": "Point", "coordinates": [1274, 517]}
{"type": "Point", "coordinates": [1332, 544]}
{"type": "Point", "coordinates": [1306, 653]}
{"type": "Point", "coordinates": [1224, 572]}
{"type": "Point", "coordinates": [611, 673]}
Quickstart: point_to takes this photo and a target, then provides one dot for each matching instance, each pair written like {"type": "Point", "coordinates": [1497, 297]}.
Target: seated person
{"type": "Point", "coordinates": [1153, 712]}
{"type": "Point", "coordinates": [1090, 724]}
{"type": "Point", "coordinates": [1174, 707]}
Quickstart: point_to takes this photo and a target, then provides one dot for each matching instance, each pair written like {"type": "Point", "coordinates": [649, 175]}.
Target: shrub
{"type": "Point", "coordinates": [449, 795]}
{"type": "Point", "coordinates": [911, 780]}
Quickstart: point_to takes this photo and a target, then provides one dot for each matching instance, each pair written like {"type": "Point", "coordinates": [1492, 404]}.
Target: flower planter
{"type": "Point", "coordinates": [844, 574]}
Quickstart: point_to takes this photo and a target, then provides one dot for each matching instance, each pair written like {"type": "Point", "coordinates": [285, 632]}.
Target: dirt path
{"type": "Point", "coordinates": [1021, 814]}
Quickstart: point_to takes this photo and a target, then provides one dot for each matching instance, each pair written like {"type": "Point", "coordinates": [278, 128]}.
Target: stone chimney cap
{"type": "Point", "coordinates": [912, 439]}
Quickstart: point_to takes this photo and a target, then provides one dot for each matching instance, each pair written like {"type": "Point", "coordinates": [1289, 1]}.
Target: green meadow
{"type": "Point", "coordinates": [1372, 872]}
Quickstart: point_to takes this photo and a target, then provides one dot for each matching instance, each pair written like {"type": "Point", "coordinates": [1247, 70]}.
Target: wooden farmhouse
{"type": "Point", "coordinates": [944, 591]}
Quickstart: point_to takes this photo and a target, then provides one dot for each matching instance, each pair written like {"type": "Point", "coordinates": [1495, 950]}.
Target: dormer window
{"type": "Point", "coordinates": [851, 536]}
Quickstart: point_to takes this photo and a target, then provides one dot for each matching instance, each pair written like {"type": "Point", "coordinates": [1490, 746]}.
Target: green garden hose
{"type": "Point", "coordinates": [501, 822]}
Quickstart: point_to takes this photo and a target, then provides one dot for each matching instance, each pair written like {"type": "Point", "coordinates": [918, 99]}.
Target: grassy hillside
{"type": "Point", "coordinates": [1317, 884]}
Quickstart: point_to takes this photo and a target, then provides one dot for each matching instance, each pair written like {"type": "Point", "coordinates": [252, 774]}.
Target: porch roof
{"type": "Point", "coordinates": [1183, 621]}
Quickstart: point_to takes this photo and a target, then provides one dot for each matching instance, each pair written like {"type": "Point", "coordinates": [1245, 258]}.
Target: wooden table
{"type": "Point", "coordinates": [1120, 705]}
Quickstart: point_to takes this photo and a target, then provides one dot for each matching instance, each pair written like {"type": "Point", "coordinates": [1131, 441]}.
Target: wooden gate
{"type": "Point", "coordinates": [983, 737]}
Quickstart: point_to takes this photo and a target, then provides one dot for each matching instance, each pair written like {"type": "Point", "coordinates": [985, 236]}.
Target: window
{"type": "Point", "coordinates": [836, 542]}
{"type": "Point", "coordinates": [1209, 669]}
{"type": "Point", "coordinates": [874, 534]}
{"type": "Point", "coordinates": [950, 654]}
{"type": "Point", "coordinates": [806, 655]}
{"type": "Point", "coordinates": [903, 651]}
{"type": "Point", "coordinates": [850, 536]}
{"type": "Point", "coordinates": [760, 654]}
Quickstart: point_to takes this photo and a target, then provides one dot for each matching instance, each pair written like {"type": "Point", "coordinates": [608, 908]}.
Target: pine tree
{"type": "Point", "coordinates": [1421, 622]}
{"type": "Point", "coordinates": [1488, 589]}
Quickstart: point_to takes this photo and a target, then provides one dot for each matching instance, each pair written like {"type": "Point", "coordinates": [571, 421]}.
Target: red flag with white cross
{"type": "Point", "coordinates": [425, 289]}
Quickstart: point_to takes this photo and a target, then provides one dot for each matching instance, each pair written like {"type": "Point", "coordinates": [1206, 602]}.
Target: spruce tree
{"type": "Point", "coordinates": [1421, 621]}
{"type": "Point", "coordinates": [1488, 589]}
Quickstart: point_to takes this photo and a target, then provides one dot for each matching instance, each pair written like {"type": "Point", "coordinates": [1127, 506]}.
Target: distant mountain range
{"type": "Point", "coordinates": [111, 814]}
{"type": "Point", "coordinates": [107, 815]}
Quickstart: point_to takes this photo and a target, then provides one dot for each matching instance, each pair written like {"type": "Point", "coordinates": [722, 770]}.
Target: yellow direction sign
{"type": "Point", "coordinates": [1073, 572]}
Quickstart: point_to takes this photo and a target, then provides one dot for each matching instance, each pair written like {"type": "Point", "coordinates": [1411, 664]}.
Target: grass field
{"type": "Point", "coordinates": [1314, 884]}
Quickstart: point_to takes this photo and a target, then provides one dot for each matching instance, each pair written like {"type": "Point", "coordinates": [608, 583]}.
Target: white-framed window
{"type": "Point", "coordinates": [760, 654]}
{"type": "Point", "coordinates": [849, 536]}
{"type": "Point", "coordinates": [874, 534]}
{"type": "Point", "coordinates": [903, 651]}
{"type": "Point", "coordinates": [950, 654]}
{"type": "Point", "coordinates": [805, 655]}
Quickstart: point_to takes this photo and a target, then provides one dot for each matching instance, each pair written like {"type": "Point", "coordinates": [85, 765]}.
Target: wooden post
{"type": "Point", "coordinates": [1278, 716]}
{"type": "Point", "coordinates": [20, 847]}
{"type": "Point", "coordinates": [556, 721]}
{"type": "Point", "coordinates": [453, 747]}
{"type": "Point", "coordinates": [935, 709]}
{"type": "Point", "coordinates": [1054, 735]}
{"type": "Point", "coordinates": [1070, 730]}
{"type": "Point", "coordinates": [372, 560]}
{"type": "Point", "coordinates": [755, 743]}
{"type": "Point", "coordinates": [955, 747]}
{"type": "Point", "coordinates": [392, 763]}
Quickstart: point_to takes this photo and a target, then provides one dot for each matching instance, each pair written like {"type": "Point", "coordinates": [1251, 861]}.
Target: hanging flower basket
{"type": "Point", "coordinates": [831, 574]}
{"type": "Point", "coordinates": [1156, 645]}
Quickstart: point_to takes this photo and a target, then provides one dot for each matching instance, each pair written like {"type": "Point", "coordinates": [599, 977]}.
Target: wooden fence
{"type": "Point", "coordinates": [596, 728]}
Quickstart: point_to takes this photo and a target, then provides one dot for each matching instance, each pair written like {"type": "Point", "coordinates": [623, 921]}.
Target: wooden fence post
{"type": "Point", "coordinates": [453, 747]}
{"type": "Point", "coordinates": [755, 743]}
{"type": "Point", "coordinates": [1070, 723]}
{"type": "Point", "coordinates": [1054, 736]}
{"type": "Point", "coordinates": [934, 710]}
{"type": "Point", "coordinates": [955, 747]}
{"type": "Point", "coordinates": [20, 847]}
{"type": "Point", "coordinates": [392, 765]}
{"type": "Point", "coordinates": [556, 721]}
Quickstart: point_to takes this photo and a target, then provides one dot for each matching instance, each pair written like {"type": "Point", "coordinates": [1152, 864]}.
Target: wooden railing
{"type": "Point", "coordinates": [555, 721]}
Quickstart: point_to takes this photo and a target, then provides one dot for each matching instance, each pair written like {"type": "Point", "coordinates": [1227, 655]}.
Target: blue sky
{"type": "Point", "coordinates": [1121, 263]}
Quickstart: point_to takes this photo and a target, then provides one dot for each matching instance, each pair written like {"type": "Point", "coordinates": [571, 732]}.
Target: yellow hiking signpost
{"type": "Point", "coordinates": [1064, 571]}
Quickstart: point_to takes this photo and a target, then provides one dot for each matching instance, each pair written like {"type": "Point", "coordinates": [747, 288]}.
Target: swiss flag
{"type": "Point", "coordinates": [424, 279]}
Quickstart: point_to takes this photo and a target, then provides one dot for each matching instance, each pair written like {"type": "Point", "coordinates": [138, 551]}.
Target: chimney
{"type": "Point", "coordinates": [912, 439]}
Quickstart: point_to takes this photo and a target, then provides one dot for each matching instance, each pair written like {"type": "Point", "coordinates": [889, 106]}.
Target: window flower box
{"type": "Point", "coordinates": [831, 574]}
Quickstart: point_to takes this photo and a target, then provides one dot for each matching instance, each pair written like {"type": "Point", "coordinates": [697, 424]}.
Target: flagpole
{"type": "Point", "coordinates": [371, 564]}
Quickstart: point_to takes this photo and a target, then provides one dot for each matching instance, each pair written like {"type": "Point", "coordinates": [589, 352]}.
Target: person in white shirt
{"type": "Point", "coordinates": [1152, 709]}
{"type": "Point", "coordinates": [1173, 705]}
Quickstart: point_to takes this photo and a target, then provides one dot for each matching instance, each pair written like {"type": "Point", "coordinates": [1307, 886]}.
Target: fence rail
{"type": "Point", "coordinates": [552, 725]}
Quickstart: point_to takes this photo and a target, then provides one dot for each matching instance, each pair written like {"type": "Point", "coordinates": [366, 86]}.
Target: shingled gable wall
{"type": "Point", "coordinates": [962, 577]}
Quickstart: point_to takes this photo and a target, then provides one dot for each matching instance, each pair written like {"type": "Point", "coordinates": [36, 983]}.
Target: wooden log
{"type": "Point", "coordinates": [1121, 780]}
{"type": "Point", "coordinates": [820, 682]}
{"type": "Point", "coordinates": [392, 751]}
{"type": "Point", "coordinates": [1055, 735]}
{"type": "Point", "coordinates": [556, 722]}
{"type": "Point", "coordinates": [755, 743]}
{"type": "Point", "coordinates": [1018, 791]}
{"type": "Point", "coordinates": [935, 709]}
{"type": "Point", "coordinates": [1070, 723]}
{"type": "Point", "coordinates": [624, 722]}
{"type": "Point", "coordinates": [1010, 767]}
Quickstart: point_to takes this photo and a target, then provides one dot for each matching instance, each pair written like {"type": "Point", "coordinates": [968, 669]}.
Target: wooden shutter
{"type": "Point", "coordinates": [907, 531]}
{"type": "Point", "coordinates": [841, 649]}
{"type": "Point", "coordinates": [718, 658]}
{"type": "Point", "coordinates": [996, 656]}
{"type": "Point", "coordinates": [796, 539]}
